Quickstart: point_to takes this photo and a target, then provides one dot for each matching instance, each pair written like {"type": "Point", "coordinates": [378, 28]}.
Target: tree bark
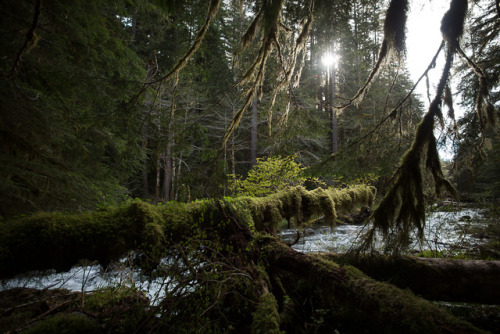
{"type": "Point", "coordinates": [145, 165]}
{"type": "Point", "coordinates": [157, 177]}
{"type": "Point", "coordinates": [333, 111]}
{"type": "Point", "coordinates": [168, 176]}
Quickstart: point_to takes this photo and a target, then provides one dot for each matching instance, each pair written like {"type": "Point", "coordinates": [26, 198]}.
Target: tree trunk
{"type": "Point", "coordinates": [253, 133]}
{"type": "Point", "coordinates": [335, 131]}
{"type": "Point", "coordinates": [471, 281]}
{"type": "Point", "coordinates": [53, 240]}
{"type": "Point", "coordinates": [145, 165]}
{"type": "Point", "coordinates": [168, 176]}
{"type": "Point", "coordinates": [157, 178]}
{"type": "Point", "coordinates": [333, 111]}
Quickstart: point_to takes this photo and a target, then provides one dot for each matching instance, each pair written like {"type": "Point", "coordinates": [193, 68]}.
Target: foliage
{"type": "Point", "coordinates": [475, 144]}
{"type": "Point", "coordinates": [489, 174]}
{"type": "Point", "coordinates": [268, 176]}
{"type": "Point", "coordinates": [66, 139]}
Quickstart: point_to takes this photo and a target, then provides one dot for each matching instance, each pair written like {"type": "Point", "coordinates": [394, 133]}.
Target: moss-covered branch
{"type": "Point", "coordinates": [403, 207]}
{"type": "Point", "coordinates": [302, 205]}
{"type": "Point", "coordinates": [57, 240]}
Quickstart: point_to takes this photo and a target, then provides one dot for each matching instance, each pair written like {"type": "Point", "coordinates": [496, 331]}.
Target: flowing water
{"type": "Point", "coordinates": [443, 231]}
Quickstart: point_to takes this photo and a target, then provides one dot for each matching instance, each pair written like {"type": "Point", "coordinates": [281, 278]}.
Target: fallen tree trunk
{"type": "Point", "coordinates": [355, 302]}
{"type": "Point", "coordinates": [470, 281]}
{"type": "Point", "coordinates": [58, 241]}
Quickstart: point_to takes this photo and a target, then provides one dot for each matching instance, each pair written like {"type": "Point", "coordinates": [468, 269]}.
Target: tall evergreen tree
{"type": "Point", "coordinates": [67, 68]}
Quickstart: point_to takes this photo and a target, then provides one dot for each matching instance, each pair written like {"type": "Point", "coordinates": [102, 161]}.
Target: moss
{"type": "Point", "coordinates": [55, 240]}
{"type": "Point", "coordinates": [344, 298]}
{"type": "Point", "coordinates": [323, 265]}
{"type": "Point", "coordinates": [153, 235]}
{"type": "Point", "coordinates": [266, 318]}
{"type": "Point", "coordinates": [302, 205]}
{"type": "Point", "coordinates": [483, 316]}
{"type": "Point", "coordinates": [388, 309]}
{"type": "Point", "coordinates": [59, 241]}
{"type": "Point", "coordinates": [122, 308]}
{"type": "Point", "coordinates": [66, 324]}
{"type": "Point", "coordinates": [348, 199]}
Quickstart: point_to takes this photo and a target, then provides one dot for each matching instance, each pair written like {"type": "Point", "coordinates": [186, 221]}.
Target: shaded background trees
{"type": "Point", "coordinates": [67, 141]}
{"type": "Point", "coordinates": [86, 119]}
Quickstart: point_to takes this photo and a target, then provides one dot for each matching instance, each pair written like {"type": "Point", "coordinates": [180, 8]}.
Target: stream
{"type": "Point", "coordinates": [443, 231]}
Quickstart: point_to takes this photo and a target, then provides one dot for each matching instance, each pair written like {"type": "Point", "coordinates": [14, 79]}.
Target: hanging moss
{"type": "Point", "coordinates": [303, 205]}
{"type": "Point", "coordinates": [403, 207]}
{"type": "Point", "coordinates": [452, 24]}
{"type": "Point", "coordinates": [349, 198]}
{"type": "Point", "coordinates": [395, 25]}
{"type": "Point", "coordinates": [212, 11]}
{"type": "Point", "coordinates": [393, 44]}
{"type": "Point", "coordinates": [268, 22]}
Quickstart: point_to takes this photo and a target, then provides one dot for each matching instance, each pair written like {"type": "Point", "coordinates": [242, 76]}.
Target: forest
{"type": "Point", "coordinates": [248, 166]}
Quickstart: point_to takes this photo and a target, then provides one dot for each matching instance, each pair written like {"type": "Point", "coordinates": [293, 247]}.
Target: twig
{"type": "Point", "coordinates": [41, 316]}
{"type": "Point", "coordinates": [10, 309]}
{"type": "Point", "coordinates": [30, 36]}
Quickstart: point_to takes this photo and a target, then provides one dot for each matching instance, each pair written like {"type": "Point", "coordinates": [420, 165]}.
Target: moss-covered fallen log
{"type": "Point", "coordinates": [223, 270]}
{"type": "Point", "coordinates": [347, 298]}
{"type": "Point", "coordinates": [59, 241]}
{"type": "Point", "coordinates": [471, 281]}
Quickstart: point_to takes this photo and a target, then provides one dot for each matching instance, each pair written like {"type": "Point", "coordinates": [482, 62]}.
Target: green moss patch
{"type": "Point", "coordinates": [66, 324]}
{"type": "Point", "coordinates": [266, 319]}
